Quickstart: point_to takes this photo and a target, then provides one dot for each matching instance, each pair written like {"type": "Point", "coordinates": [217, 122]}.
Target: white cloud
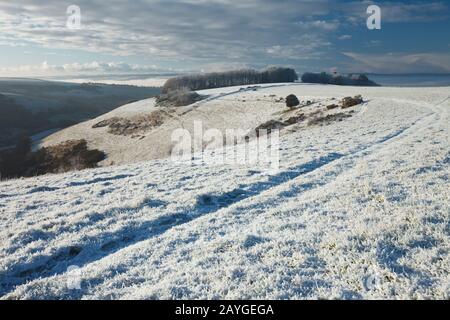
{"type": "Point", "coordinates": [398, 12]}
{"type": "Point", "coordinates": [345, 37]}
{"type": "Point", "coordinates": [45, 69]}
{"type": "Point", "coordinates": [179, 29]}
{"type": "Point", "coordinates": [414, 12]}
{"type": "Point", "coordinates": [319, 25]}
{"type": "Point", "coordinates": [399, 62]}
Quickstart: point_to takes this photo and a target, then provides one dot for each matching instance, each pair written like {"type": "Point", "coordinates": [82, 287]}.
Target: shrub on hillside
{"type": "Point", "coordinates": [328, 119]}
{"type": "Point", "coordinates": [133, 125]}
{"type": "Point", "coordinates": [292, 101]}
{"type": "Point", "coordinates": [178, 98]}
{"type": "Point", "coordinates": [348, 102]}
{"type": "Point", "coordinates": [269, 126]}
{"type": "Point", "coordinates": [67, 156]}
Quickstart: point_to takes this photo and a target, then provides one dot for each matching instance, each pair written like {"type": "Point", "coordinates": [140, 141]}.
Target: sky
{"type": "Point", "coordinates": [159, 36]}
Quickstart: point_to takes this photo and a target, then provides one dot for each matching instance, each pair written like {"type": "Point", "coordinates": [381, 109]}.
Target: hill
{"type": "Point", "coordinates": [32, 106]}
{"type": "Point", "coordinates": [358, 209]}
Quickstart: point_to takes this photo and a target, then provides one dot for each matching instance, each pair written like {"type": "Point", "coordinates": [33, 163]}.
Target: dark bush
{"type": "Point", "coordinates": [348, 102]}
{"type": "Point", "coordinates": [67, 156]}
{"type": "Point", "coordinates": [178, 98]}
{"type": "Point", "coordinates": [295, 119]}
{"type": "Point", "coordinates": [332, 106]}
{"type": "Point", "coordinates": [269, 126]}
{"type": "Point", "coordinates": [292, 101]}
{"type": "Point", "coordinates": [328, 119]}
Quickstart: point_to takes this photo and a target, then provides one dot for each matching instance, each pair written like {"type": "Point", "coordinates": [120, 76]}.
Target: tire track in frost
{"type": "Point", "coordinates": [210, 203]}
{"type": "Point", "coordinates": [206, 204]}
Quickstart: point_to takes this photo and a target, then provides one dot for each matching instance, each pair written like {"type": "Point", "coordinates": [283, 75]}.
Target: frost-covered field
{"type": "Point", "coordinates": [359, 209]}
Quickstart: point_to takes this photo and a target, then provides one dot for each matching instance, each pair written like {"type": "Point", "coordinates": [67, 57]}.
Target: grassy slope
{"type": "Point", "coordinates": [357, 202]}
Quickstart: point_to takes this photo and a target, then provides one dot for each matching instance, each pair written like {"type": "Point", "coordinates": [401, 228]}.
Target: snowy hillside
{"type": "Point", "coordinates": [359, 209]}
{"type": "Point", "coordinates": [226, 108]}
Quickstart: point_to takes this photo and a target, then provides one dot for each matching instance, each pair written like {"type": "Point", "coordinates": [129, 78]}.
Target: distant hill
{"type": "Point", "coordinates": [338, 79]}
{"type": "Point", "coordinates": [31, 106]}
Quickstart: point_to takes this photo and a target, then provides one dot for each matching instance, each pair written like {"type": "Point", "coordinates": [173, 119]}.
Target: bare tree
{"type": "Point", "coordinates": [230, 78]}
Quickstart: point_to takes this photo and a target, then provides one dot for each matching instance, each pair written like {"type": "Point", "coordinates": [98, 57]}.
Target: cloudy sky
{"type": "Point", "coordinates": [155, 36]}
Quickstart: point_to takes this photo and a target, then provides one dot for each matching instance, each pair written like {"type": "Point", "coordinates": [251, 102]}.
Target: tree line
{"type": "Point", "coordinates": [230, 78]}
{"type": "Point", "coordinates": [338, 79]}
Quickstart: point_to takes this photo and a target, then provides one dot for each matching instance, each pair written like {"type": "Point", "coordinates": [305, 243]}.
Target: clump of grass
{"type": "Point", "coordinates": [134, 125]}
{"type": "Point", "coordinates": [328, 119]}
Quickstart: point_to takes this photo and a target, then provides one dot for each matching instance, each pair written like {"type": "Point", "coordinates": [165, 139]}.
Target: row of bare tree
{"type": "Point", "coordinates": [230, 78]}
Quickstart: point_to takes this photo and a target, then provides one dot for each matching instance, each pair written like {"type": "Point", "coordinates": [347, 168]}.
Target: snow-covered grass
{"type": "Point", "coordinates": [359, 209]}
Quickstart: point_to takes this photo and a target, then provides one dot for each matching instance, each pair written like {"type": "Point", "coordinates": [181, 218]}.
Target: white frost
{"type": "Point", "coordinates": [360, 209]}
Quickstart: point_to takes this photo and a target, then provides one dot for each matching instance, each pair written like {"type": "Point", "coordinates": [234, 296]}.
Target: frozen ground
{"type": "Point", "coordinates": [359, 209]}
{"type": "Point", "coordinates": [226, 108]}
